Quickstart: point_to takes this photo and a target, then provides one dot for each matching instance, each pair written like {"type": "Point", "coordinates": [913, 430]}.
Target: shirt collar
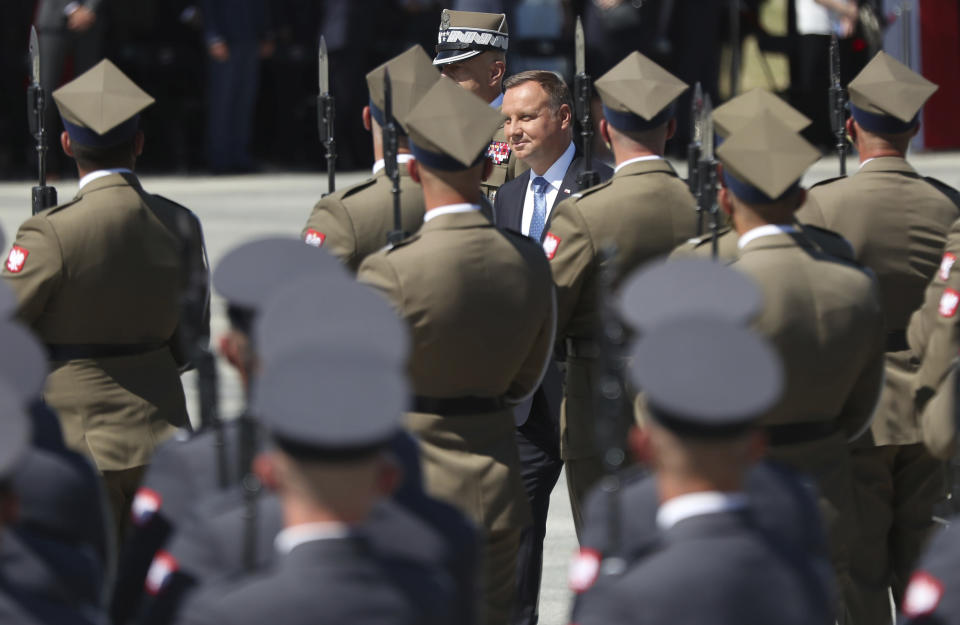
{"type": "Point", "coordinates": [764, 231]}
{"type": "Point", "coordinates": [554, 175]}
{"type": "Point", "coordinates": [100, 173]}
{"type": "Point", "coordinates": [291, 537]}
{"type": "Point", "coordinates": [638, 159]}
{"type": "Point", "coordinates": [498, 102]}
{"type": "Point", "coordinates": [449, 209]}
{"type": "Point", "coordinates": [401, 159]}
{"type": "Point", "coordinates": [696, 504]}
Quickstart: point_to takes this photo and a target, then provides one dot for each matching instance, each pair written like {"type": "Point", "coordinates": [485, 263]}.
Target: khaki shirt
{"type": "Point", "coordinates": [897, 224]}
{"type": "Point", "coordinates": [480, 306]}
{"type": "Point", "coordinates": [645, 211]}
{"type": "Point", "coordinates": [107, 269]}
{"type": "Point", "coordinates": [354, 222]}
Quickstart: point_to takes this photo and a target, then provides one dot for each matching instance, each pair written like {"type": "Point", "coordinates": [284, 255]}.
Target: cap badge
{"type": "Point", "coordinates": [445, 21]}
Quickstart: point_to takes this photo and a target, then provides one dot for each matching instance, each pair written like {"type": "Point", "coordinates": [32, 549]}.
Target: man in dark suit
{"type": "Point", "coordinates": [539, 127]}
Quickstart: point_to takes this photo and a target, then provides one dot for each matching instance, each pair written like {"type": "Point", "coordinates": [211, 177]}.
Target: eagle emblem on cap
{"type": "Point", "coordinates": [445, 20]}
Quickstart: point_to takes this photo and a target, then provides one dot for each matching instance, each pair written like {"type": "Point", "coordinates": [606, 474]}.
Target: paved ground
{"type": "Point", "coordinates": [234, 210]}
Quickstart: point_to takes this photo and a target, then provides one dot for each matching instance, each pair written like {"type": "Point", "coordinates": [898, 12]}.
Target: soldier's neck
{"type": "Point", "coordinates": [298, 511]}
{"type": "Point", "coordinates": [622, 155]}
{"type": "Point", "coordinates": [671, 486]}
{"type": "Point", "coordinates": [868, 153]}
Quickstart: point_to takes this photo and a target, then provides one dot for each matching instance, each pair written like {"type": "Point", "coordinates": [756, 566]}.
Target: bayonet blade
{"type": "Point", "coordinates": [387, 98]}
{"type": "Point", "coordinates": [324, 65]}
{"type": "Point", "coordinates": [580, 48]}
{"type": "Point", "coordinates": [834, 60]}
{"type": "Point", "coordinates": [697, 114]}
{"type": "Point", "coordinates": [707, 130]}
{"type": "Point", "coordinates": [34, 56]}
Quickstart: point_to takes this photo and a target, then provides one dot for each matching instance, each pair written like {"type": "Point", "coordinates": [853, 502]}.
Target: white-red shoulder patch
{"type": "Point", "coordinates": [948, 303]}
{"type": "Point", "coordinates": [923, 595]}
{"type": "Point", "coordinates": [145, 504]}
{"type": "Point", "coordinates": [946, 264]}
{"type": "Point", "coordinates": [584, 570]}
{"type": "Point", "coordinates": [16, 259]}
{"type": "Point", "coordinates": [550, 244]}
{"type": "Point", "coordinates": [162, 568]}
{"type": "Point", "coordinates": [314, 238]}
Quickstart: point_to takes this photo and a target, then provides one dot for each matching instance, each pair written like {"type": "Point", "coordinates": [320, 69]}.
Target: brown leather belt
{"type": "Point", "coordinates": [78, 351]}
{"type": "Point", "coordinates": [792, 433]}
{"type": "Point", "coordinates": [454, 406]}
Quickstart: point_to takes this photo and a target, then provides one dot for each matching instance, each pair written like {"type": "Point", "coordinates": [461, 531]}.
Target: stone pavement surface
{"type": "Point", "coordinates": [236, 209]}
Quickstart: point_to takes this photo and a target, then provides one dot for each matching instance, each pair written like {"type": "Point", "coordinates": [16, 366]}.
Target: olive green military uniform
{"type": "Point", "coordinates": [727, 250]}
{"type": "Point", "coordinates": [353, 223]}
{"type": "Point", "coordinates": [934, 341]}
{"type": "Point", "coordinates": [104, 274]}
{"type": "Point", "coordinates": [644, 210]}
{"type": "Point", "coordinates": [455, 282]}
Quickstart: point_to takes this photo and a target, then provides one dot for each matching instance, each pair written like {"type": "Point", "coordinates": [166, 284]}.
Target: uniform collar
{"type": "Point", "coordinates": [638, 159]}
{"type": "Point", "coordinates": [402, 159]}
{"type": "Point", "coordinates": [291, 537]}
{"type": "Point", "coordinates": [765, 231]}
{"type": "Point", "coordinates": [887, 163]}
{"type": "Point", "coordinates": [697, 504]}
{"type": "Point", "coordinates": [100, 173]}
{"type": "Point", "coordinates": [644, 165]}
{"type": "Point", "coordinates": [449, 209]}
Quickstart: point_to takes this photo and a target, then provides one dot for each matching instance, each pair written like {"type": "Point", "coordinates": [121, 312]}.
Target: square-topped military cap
{"type": "Point", "coordinates": [450, 128]}
{"type": "Point", "coordinates": [670, 289]}
{"type": "Point", "coordinates": [638, 94]}
{"type": "Point", "coordinates": [101, 107]}
{"type": "Point", "coordinates": [322, 403]}
{"type": "Point", "coordinates": [705, 377]}
{"type": "Point", "coordinates": [14, 429]}
{"type": "Point", "coordinates": [764, 161]}
{"type": "Point", "coordinates": [465, 34]}
{"type": "Point", "coordinates": [24, 365]}
{"type": "Point", "coordinates": [742, 110]}
{"type": "Point", "coordinates": [343, 315]}
{"type": "Point", "coordinates": [886, 96]}
{"type": "Point", "coordinates": [411, 76]}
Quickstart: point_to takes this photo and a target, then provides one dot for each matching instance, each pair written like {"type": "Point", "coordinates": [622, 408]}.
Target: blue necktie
{"type": "Point", "coordinates": [539, 218]}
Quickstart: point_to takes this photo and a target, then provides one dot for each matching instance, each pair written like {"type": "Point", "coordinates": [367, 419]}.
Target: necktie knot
{"type": "Point", "coordinates": [540, 184]}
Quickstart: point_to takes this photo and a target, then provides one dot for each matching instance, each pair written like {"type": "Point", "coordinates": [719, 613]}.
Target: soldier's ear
{"type": "Point", "coordinates": [757, 445]}
{"type": "Point", "coordinates": [671, 128]}
{"type": "Point", "coordinates": [366, 118]}
{"type": "Point", "coordinates": [265, 468]}
{"type": "Point", "coordinates": [65, 144]}
{"type": "Point", "coordinates": [138, 140]}
{"type": "Point", "coordinates": [640, 445]}
{"type": "Point", "coordinates": [605, 133]}
{"type": "Point", "coordinates": [389, 477]}
{"type": "Point", "coordinates": [851, 126]}
{"type": "Point", "coordinates": [724, 200]}
{"type": "Point", "coordinates": [414, 170]}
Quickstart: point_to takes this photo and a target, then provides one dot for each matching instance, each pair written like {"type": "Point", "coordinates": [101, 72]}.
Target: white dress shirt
{"type": "Point", "coordinates": [292, 537]}
{"type": "Point", "coordinates": [402, 159]}
{"type": "Point", "coordinates": [638, 159]}
{"type": "Point", "coordinates": [696, 504]}
{"type": "Point", "coordinates": [100, 173]}
{"type": "Point", "coordinates": [449, 209]}
{"type": "Point", "coordinates": [764, 231]}
{"type": "Point", "coordinates": [554, 177]}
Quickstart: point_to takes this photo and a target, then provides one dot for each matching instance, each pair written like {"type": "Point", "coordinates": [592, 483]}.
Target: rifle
{"type": "Point", "coordinates": [707, 176]}
{"type": "Point", "coordinates": [325, 116]}
{"type": "Point", "coordinates": [694, 150]}
{"type": "Point", "coordinates": [42, 196]}
{"type": "Point", "coordinates": [247, 434]}
{"type": "Point", "coordinates": [390, 160]}
{"type": "Point", "coordinates": [196, 343]}
{"type": "Point", "coordinates": [838, 103]}
{"type": "Point", "coordinates": [609, 408]}
{"type": "Point", "coordinates": [583, 93]}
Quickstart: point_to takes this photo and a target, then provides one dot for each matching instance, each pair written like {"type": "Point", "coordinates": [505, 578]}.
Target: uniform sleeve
{"type": "Point", "coordinates": [331, 228]}
{"type": "Point", "coordinates": [571, 253]}
{"type": "Point", "coordinates": [857, 412]}
{"type": "Point", "coordinates": [34, 267]}
{"type": "Point", "coordinates": [535, 366]}
{"type": "Point", "coordinates": [377, 272]}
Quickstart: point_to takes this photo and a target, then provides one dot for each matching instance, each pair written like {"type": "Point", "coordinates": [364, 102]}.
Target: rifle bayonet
{"type": "Point", "coordinates": [838, 103]}
{"type": "Point", "coordinates": [583, 93]}
{"type": "Point", "coordinates": [707, 176]}
{"type": "Point", "coordinates": [390, 147]}
{"type": "Point", "coordinates": [326, 114]}
{"type": "Point", "coordinates": [42, 196]}
{"type": "Point", "coordinates": [694, 148]}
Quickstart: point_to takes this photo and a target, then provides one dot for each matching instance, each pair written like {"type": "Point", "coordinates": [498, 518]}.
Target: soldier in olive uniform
{"type": "Point", "coordinates": [456, 282]}
{"type": "Point", "coordinates": [741, 112]}
{"type": "Point", "coordinates": [472, 51]}
{"type": "Point", "coordinates": [354, 222]}
{"type": "Point", "coordinates": [896, 222]}
{"type": "Point", "coordinates": [823, 315]}
{"type": "Point", "coordinates": [644, 210]}
{"type": "Point", "coordinates": [712, 561]}
{"type": "Point", "coordinates": [100, 280]}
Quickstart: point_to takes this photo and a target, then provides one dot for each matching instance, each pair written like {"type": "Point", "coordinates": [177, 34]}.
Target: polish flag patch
{"type": "Point", "coordinates": [314, 238]}
{"type": "Point", "coordinates": [584, 570]}
{"type": "Point", "coordinates": [16, 259]}
{"type": "Point", "coordinates": [162, 568]}
{"type": "Point", "coordinates": [948, 303]}
{"type": "Point", "coordinates": [145, 505]}
{"type": "Point", "coordinates": [550, 244]}
{"type": "Point", "coordinates": [923, 595]}
{"type": "Point", "coordinates": [946, 265]}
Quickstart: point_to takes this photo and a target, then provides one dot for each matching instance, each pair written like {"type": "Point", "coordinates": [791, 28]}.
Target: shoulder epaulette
{"type": "Point", "coordinates": [172, 202]}
{"type": "Point", "coordinates": [827, 181]}
{"type": "Point", "coordinates": [823, 230]}
{"type": "Point", "coordinates": [352, 189]}
{"type": "Point", "coordinates": [391, 247]}
{"type": "Point", "coordinates": [706, 238]}
{"type": "Point", "coordinates": [591, 190]}
{"type": "Point", "coordinates": [946, 189]}
{"type": "Point", "coordinates": [58, 207]}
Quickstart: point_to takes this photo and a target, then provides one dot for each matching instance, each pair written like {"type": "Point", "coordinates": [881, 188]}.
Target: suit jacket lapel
{"type": "Point", "coordinates": [514, 204]}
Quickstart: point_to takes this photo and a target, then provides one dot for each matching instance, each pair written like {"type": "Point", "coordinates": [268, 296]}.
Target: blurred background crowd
{"type": "Point", "coordinates": [170, 47]}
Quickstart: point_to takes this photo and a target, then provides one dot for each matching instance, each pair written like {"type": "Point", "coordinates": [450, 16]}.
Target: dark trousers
{"type": "Point", "coordinates": [810, 84]}
{"type": "Point", "coordinates": [232, 96]}
{"type": "Point", "coordinates": [538, 442]}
